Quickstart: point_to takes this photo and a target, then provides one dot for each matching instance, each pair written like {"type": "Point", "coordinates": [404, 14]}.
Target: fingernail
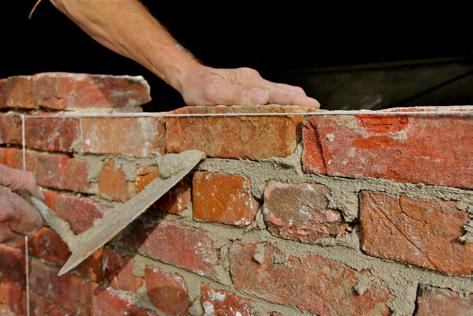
{"type": "Point", "coordinates": [259, 96]}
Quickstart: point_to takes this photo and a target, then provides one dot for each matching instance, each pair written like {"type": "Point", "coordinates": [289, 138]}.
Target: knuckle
{"type": "Point", "coordinates": [249, 72]}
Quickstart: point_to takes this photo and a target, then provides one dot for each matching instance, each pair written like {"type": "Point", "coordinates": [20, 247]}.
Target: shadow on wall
{"type": "Point", "coordinates": [378, 86]}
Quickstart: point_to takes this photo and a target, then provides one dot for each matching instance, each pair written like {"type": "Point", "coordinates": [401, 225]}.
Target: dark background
{"type": "Point", "coordinates": [347, 57]}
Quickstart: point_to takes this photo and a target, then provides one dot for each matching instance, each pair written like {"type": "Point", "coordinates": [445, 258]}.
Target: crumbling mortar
{"type": "Point", "coordinates": [344, 190]}
{"type": "Point", "coordinates": [194, 281]}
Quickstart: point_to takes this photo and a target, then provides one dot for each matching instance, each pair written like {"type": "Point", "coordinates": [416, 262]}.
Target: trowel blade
{"type": "Point", "coordinates": [116, 219]}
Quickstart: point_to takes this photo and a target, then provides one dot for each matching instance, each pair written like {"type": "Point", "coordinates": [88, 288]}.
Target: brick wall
{"type": "Point", "coordinates": [337, 214]}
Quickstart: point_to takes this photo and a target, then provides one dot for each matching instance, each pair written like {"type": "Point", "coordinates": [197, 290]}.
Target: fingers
{"type": "Point", "coordinates": [17, 180]}
{"type": "Point", "coordinates": [288, 95]}
{"type": "Point", "coordinates": [6, 233]}
{"type": "Point", "coordinates": [21, 217]}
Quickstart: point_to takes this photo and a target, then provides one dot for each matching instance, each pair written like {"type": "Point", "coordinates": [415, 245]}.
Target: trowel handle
{"type": "Point", "coordinates": [60, 226]}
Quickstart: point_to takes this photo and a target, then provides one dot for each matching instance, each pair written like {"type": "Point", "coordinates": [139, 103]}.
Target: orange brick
{"type": "Point", "coordinates": [223, 198]}
{"type": "Point", "coordinates": [112, 182]}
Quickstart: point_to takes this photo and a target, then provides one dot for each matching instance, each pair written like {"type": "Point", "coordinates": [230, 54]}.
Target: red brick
{"type": "Point", "coordinates": [12, 296]}
{"type": "Point", "coordinates": [440, 302]}
{"type": "Point", "coordinates": [300, 212]}
{"type": "Point", "coordinates": [12, 264]}
{"type": "Point", "coordinates": [176, 200]}
{"type": "Point", "coordinates": [186, 247]}
{"type": "Point", "coordinates": [39, 307]}
{"type": "Point", "coordinates": [108, 303]}
{"type": "Point", "coordinates": [80, 212]}
{"type": "Point", "coordinates": [400, 147]}
{"type": "Point", "coordinates": [145, 174]}
{"type": "Point", "coordinates": [112, 182]}
{"type": "Point", "coordinates": [135, 136]}
{"type": "Point", "coordinates": [224, 303]}
{"type": "Point", "coordinates": [15, 92]}
{"type": "Point", "coordinates": [52, 133]}
{"type": "Point", "coordinates": [167, 291]}
{"type": "Point", "coordinates": [253, 137]}
{"type": "Point", "coordinates": [10, 129]}
{"type": "Point", "coordinates": [417, 231]}
{"type": "Point", "coordinates": [11, 157]}
{"type": "Point", "coordinates": [61, 172]}
{"type": "Point", "coordinates": [47, 245]}
{"type": "Point", "coordinates": [61, 91]}
{"type": "Point", "coordinates": [223, 198]}
{"type": "Point", "coordinates": [311, 283]}
{"type": "Point", "coordinates": [118, 269]}
{"type": "Point", "coordinates": [68, 291]}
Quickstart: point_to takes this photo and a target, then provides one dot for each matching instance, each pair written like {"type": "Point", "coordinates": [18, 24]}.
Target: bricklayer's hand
{"type": "Point", "coordinates": [17, 217]}
{"type": "Point", "coordinates": [241, 86]}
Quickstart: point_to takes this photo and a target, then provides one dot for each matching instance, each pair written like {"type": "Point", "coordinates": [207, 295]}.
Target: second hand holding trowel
{"type": "Point", "coordinates": [173, 168]}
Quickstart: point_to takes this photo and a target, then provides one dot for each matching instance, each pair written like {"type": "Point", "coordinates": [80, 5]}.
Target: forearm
{"type": "Point", "coordinates": [127, 28]}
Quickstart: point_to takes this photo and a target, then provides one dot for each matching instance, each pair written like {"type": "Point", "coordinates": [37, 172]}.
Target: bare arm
{"type": "Point", "coordinates": [127, 28]}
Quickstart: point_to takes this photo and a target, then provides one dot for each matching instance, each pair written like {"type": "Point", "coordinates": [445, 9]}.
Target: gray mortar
{"type": "Point", "coordinates": [344, 191]}
{"type": "Point", "coordinates": [468, 227]}
{"type": "Point", "coordinates": [401, 279]}
{"type": "Point", "coordinates": [194, 282]}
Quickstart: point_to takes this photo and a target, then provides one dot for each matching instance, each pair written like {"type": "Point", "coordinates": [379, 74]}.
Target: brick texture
{"type": "Point", "coordinates": [135, 136]}
{"type": "Point", "coordinates": [423, 232]}
{"type": "Point", "coordinates": [235, 137]}
{"type": "Point", "coordinates": [47, 245]}
{"type": "Point", "coordinates": [400, 147]}
{"type": "Point", "coordinates": [80, 212]}
{"type": "Point", "coordinates": [222, 302]}
{"type": "Point", "coordinates": [311, 283]}
{"type": "Point", "coordinates": [112, 182]}
{"type": "Point", "coordinates": [440, 302]}
{"type": "Point", "coordinates": [107, 303]}
{"type": "Point", "coordinates": [173, 243]}
{"type": "Point", "coordinates": [12, 265]}
{"type": "Point", "coordinates": [118, 270]}
{"type": "Point", "coordinates": [52, 133]}
{"type": "Point", "coordinates": [223, 198]}
{"type": "Point", "coordinates": [59, 91]}
{"type": "Point", "coordinates": [15, 92]}
{"type": "Point", "coordinates": [300, 212]}
{"type": "Point", "coordinates": [167, 291]}
{"type": "Point", "coordinates": [10, 129]}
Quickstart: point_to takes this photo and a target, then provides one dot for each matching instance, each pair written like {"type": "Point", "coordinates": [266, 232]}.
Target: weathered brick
{"type": "Point", "coordinates": [112, 182]}
{"type": "Point", "coordinates": [300, 212]}
{"type": "Point", "coordinates": [80, 212]}
{"type": "Point", "coordinates": [311, 283]}
{"type": "Point", "coordinates": [167, 291]}
{"type": "Point", "coordinates": [417, 231]}
{"type": "Point", "coordinates": [12, 296]}
{"type": "Point", "coordinates": [40, 307]}
{"type": "Point", "coordinates": [107, 303]}
{"type": "Point", "coordinates": [10, 129]}
{"type": "Point", "coordinates": [223, 198]}
{"type": "Point", "coordinates": [176, 200]}
{"type": "Point", "coordinates": [186, 247]}
{"type": "Point", "coordinates": [222, 302]}
{"type": "Point", "coordinates": [118, 269]}
{"type": "Point", "coordinates": [47, 245]}
{"type": "Point", "coordinates": [52, 133]}
{"type": "Point", "coordinates": [145, 174]}
{"type": "Point", "coordinates": [440, 302]}
{"type": "Point", "coordinates": [60, 171]}
{"type": "Point", "coordinates": [12, 264]}
{"type": "Point", "coordinates": [130, 136]}
{"type": "Point", "coordinates": [253, 137]}
{"type": "Point", "coordinates": [68, 291]}
{"type": "Point", "coordinates": [15, 92]}
{"type": "Point", "coordinates": [432, 149]}
{"type": "Point", "coordinates": [11, 157]}
{"type": "Point", "coordinates": [61, 91]}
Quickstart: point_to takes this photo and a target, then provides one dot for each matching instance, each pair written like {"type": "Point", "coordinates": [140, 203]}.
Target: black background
{"type": "Point", "coordinates": [277, 38]}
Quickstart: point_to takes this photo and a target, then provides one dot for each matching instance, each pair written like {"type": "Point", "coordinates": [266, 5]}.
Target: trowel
{"type": "Point", "coordinates": [172, 167]}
